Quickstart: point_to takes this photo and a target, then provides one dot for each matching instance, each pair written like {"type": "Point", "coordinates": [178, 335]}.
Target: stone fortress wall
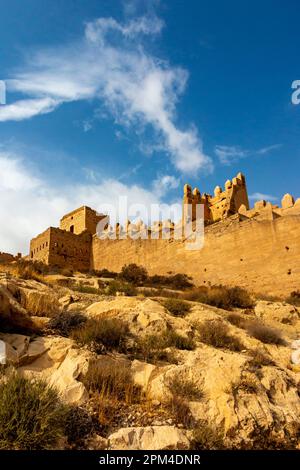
{"type": "Point", "coordinates": [257, 248]}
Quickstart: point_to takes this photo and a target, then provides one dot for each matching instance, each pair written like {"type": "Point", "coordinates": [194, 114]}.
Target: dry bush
{"type": "Point", "coordinates": [152, 347]}
{"type": "Point", "coordinates": [108, 332]}
{"type": "Point", "coordinates": [31, 415]}
{"type": "Point", "coordinates": [271, 438]}
{"type": "Point", "coordinates": [65, 322]}
{"type": "Point", "coordinates": [79, 425]}
{"type": "Point", "coordinates": [113, 381]}
{"type": "Point", "coordinates": [260, 358]}
{"type": "Point", "coordinates": [104, 273]}
{"type": "Point", "coordinates": [247, 384]}
{"type": "Point", "coordinates": [237, 320]}
{"type": "Point", "coordinates": [185, 388]}
{"type": "Point", "coordinates": [177, 307]}
{"type": "Point", "coordinates": [216, 333]}
{"type": "Point", "coordinates": [205, 437]}
{"type": "Point", "coordinates": [294, 298]}
{"type": "Point", "coordinates": [265, 333]}
{"type": "Point", "coordinates": [176, 281]}
{"type": "Point", "coordinates": [87, 289]}
{"type": "Point", "coordinates": [173, 339]}
{"type": "Point", "coordinates": [134, 274]}
{"type": "Point", "coordinates": [30, 270]}
{"type": "Point", "coordinates": [160, 292]}
{"type": "Point", "coordinates": [180, 410]}
{"type": "Point", "coordinates": [220, 296]}
{"type": "Point", "coordinates": [112, 388]}
{"type": "Point", "coordinates": [125, 288]}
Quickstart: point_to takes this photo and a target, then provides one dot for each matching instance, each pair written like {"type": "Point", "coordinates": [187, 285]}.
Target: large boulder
{"type": "Point", "coordinates": [149, 438]}
{"type": "Point", "coordinates": [143, 316]}
{"type": "Point", "coordinates": [13, 317]}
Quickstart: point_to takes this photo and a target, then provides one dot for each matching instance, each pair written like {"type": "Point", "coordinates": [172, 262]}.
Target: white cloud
{"type": "Point", "coordinates": [29, 204]}
{"type": "Point", "coordinates": [231, 154]}
{"type": "Point", "coordinates": [163, 184]}
{"type": "Point", "coordinates": [261, 196]}
{"type": "Point", "coordinates": [110, 64]}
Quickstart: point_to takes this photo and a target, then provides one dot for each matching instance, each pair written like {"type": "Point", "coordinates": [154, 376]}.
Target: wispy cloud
{"type": "Point", "coordinates": [111, 64]}
{"type": "Point", "coordinates": [261, 196]}
{"type": "Point", "coordinates": [231, 154]}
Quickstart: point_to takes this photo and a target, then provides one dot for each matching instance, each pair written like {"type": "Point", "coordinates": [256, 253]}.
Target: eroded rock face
{"type": "Point", "coordinates": [144, 316]}
{"type": "Point", "coordinates": [13, 317]}
{"type": "Point", "coordinates": [277, 311]}
{"type": "Point", "coordinates": [236, 398]}
{"type": "Point", "coordinates": [53, 359]}
{"type": "Point", "coordinates": [149, 438]}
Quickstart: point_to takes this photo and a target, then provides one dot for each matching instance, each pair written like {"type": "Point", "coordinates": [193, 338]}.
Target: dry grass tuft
{"type": "Point", "coordinates": [216, 333]}
{"type": "Point", "coordinates": [177, 307]}
{"type": "Point", "coordinates": [110, 333]}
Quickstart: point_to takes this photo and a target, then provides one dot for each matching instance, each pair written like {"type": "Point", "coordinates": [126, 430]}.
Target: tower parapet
{"type": "Point", "coordinates": [221, 205]}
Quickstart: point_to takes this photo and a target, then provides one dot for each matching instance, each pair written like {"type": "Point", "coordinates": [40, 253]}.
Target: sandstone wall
{"type": "Point", "coordinates": [74, 221]}
{"type": "Point", "coordinates": [80, 220]}
{"type": "Point", "coordinates": [57, 247]}
{"type": "Point", "coordinates": [262, 255]}
{"type": "Point", "coordinates": [69, 250]}
{"type": "Point", "coordinates": [39, 247]}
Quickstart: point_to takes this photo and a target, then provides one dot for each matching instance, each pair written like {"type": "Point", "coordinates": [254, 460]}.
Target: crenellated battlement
{"type": "Point", "coordinates": [219, 206]}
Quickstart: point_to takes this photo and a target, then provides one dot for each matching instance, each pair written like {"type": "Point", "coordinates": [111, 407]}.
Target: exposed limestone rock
{"type": "Point", "coordinates": [142, 315]}
{"type": "Point", "coordinates": [96, 442]}
{"type": "Point", "coordinates": [57, 361]}
{"type": "Point", "coordinates": [149, 438]}
{"type": "Point", "coordinates": [40, 303]}
{"type": "Point", "coordinates": [277, 311]}
{"type": "Point", "coordinates": [142, 373]}
{"type": "Point", "coordinates": [12, 316]}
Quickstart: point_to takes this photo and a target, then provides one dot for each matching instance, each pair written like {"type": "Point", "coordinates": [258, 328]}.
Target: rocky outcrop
{"type": "Point", "coordinates": [13, 317]}
{"type": "Point", "coordinates": [54, 359]}
{"type": "Point", "coordinates": [149, 438]}
{"type": "Point", "coordinates": [143, 316]}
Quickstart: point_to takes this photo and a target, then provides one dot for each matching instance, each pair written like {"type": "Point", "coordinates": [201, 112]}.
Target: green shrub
{"type": "Point", "coordinates": [31, 415]}
{"type": "Point", "coordinates": [134, 274]}
{"type": "Point", "coordinates": [265, 333]}
{"type": "Point", "coordinates": [108, 332]}
{"type": "Point", "coordinates": [126, 288]}
{"type": "Point", "coordinates": [216, 334]}
{"type": "Point", "coordinates": [177, 307]}
{"type": "Point", "coordinates": [65, 322]}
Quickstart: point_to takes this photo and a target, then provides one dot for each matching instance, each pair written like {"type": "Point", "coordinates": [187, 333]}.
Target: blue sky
{"type": "Point", "coordinates": [136, 98]}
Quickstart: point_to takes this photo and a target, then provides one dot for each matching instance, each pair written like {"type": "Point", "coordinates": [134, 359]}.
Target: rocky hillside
{"type": "Point", "coordinates": [141, 372]}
